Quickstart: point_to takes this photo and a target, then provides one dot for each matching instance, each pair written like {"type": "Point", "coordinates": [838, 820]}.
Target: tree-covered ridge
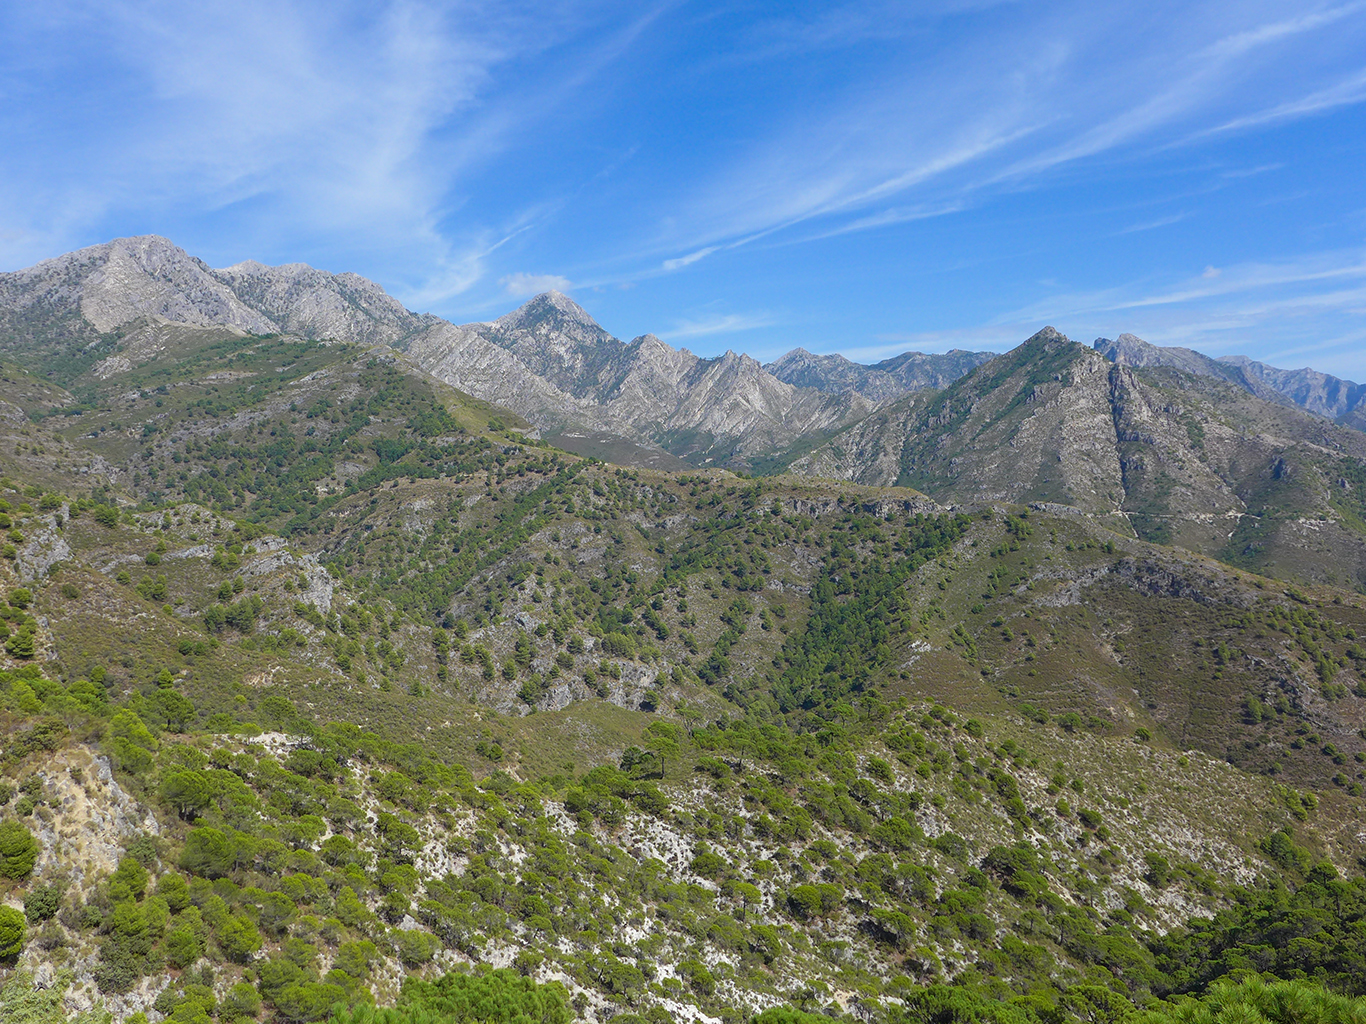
{"type": "Point", "coordinates": [301, 860]}
{"type": "Point", "coordinates": [856, 608]}
{"type": "Point", "coordinates": [498, 997]}
{"type": "Point", "coordinates": [648, 590]}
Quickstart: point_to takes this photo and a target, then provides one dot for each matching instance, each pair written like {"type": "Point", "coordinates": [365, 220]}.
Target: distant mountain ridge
{"type": "Point", "coordinates": [880, 382]}
{"type": "Point", "coordinates": [1320, 393]}
{"type": "Point", "coordinates": [132, 279]}
{"type": "Point", "coordinates": [1183, 457]}
{"type": "Point", "coordinates": [547, 361]}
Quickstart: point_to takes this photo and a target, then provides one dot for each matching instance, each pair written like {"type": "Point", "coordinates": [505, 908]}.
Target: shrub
{"type": "Point", "coordinates": [13, 932]}
{"type": "Point", "coordinates": [1159, 873]}
{"type": "Point", "coordinates": [1277, 1002]}
{"type": "Point", "coordinates": [18, 850]}
{"type": "Point", "coordinates": [238, 938]}
{"type": "Point", "coordinates": [207, 852]}
{"type": "Point", "coordinates": [183, 945]}
{"type": "Point", "coordinates": [42, 903]}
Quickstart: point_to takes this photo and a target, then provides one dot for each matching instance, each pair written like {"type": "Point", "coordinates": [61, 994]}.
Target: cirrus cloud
{"type": "Point", "coordinates": [521, 286]}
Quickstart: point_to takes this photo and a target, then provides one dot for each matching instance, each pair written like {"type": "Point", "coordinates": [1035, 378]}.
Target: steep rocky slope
{"type": "Point", "coordinates": [1180, 457]}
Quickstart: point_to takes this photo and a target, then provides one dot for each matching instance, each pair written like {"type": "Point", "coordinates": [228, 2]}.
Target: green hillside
{"type": "Point", "coordinates": [326, 685]}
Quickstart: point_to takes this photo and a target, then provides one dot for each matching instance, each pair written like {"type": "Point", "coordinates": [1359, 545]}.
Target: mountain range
{"type": "Point", "coordinates": [549, 361]}
{"type": "Point", "coordinates": [1230, 457]}
{"type": "Point", "coordinates": [1023, 688]}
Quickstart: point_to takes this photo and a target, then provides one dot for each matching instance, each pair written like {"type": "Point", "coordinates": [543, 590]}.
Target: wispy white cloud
{"type": "Point", "coordinates": [683, 261]}
{"type": "Point", "coordinates": [729, 323]}
{"type": "Point", "coordinates": [339, 125]}
{"type": "Point", "coordinates": [520, 285]}
{"type": "Point", "coordinates": [1149, 225]}
{"type": "Point", "coordinates": [1250, 172]}
{"type": "Point", "coordinates": [1237, 44]}
{"type": "Point", "coordinates": [886, 218]}
{"type": "Point", "coordinates": [1348, 92]}
{"type": "Point", "coordinates": [1212, 283]}
{"type": "Point", "coordinates": [1313, 303]}
{"type": "Point", "coordinates": [1043, 96]}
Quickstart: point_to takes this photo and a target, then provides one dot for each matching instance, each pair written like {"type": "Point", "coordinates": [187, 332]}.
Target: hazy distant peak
{"type": "Point", "coordinates": [879, 383]}
{"type": "Point", "coordinates": [1319, 393]}
{"type": "Point", "coordinates": [1248, 363]}
{"type": "Point", "coordinates": [1130, 350]}
{"type": "Point", "coordinates": [801, 357]}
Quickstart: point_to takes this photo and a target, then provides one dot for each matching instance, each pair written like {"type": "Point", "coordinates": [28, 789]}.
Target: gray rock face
{"type": "Point", "coordinates": [125, 280]}
{"type": "Point", "coordinates": [465, 358]}
{"type": "Point", "coordinates": [1319, 393]}
{"type": "Point", "coordinates": [880, 382]}
{"type": "Point", "coordinates": [301, 300]}
{"type": "Point", "coordinates": [149, 279]}
{"type": "Point", "coordinates": [552, 364]}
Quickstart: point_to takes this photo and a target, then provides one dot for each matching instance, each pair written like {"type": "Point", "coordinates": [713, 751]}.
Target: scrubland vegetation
{"type": "Point", "coordinates": [349, 699]}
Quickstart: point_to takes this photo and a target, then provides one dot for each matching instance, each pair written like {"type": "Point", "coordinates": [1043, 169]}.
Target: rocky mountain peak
{"type": "Point", "coordinates": [148, 278]}
{"type": "Point", "coordinates": [653, 348]}
{"type": "Point", "coordinates": [143, 277]}
{"type": "Point", "coordinates": [1047, 336]}
{"type": "Point", "coordinates": [801, 362]}
{"type": "Point", "coordinates": [550, 311]}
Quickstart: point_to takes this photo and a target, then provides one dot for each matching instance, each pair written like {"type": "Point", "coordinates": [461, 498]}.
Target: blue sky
{"type": "Point", "coordinates": [862, 177]}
